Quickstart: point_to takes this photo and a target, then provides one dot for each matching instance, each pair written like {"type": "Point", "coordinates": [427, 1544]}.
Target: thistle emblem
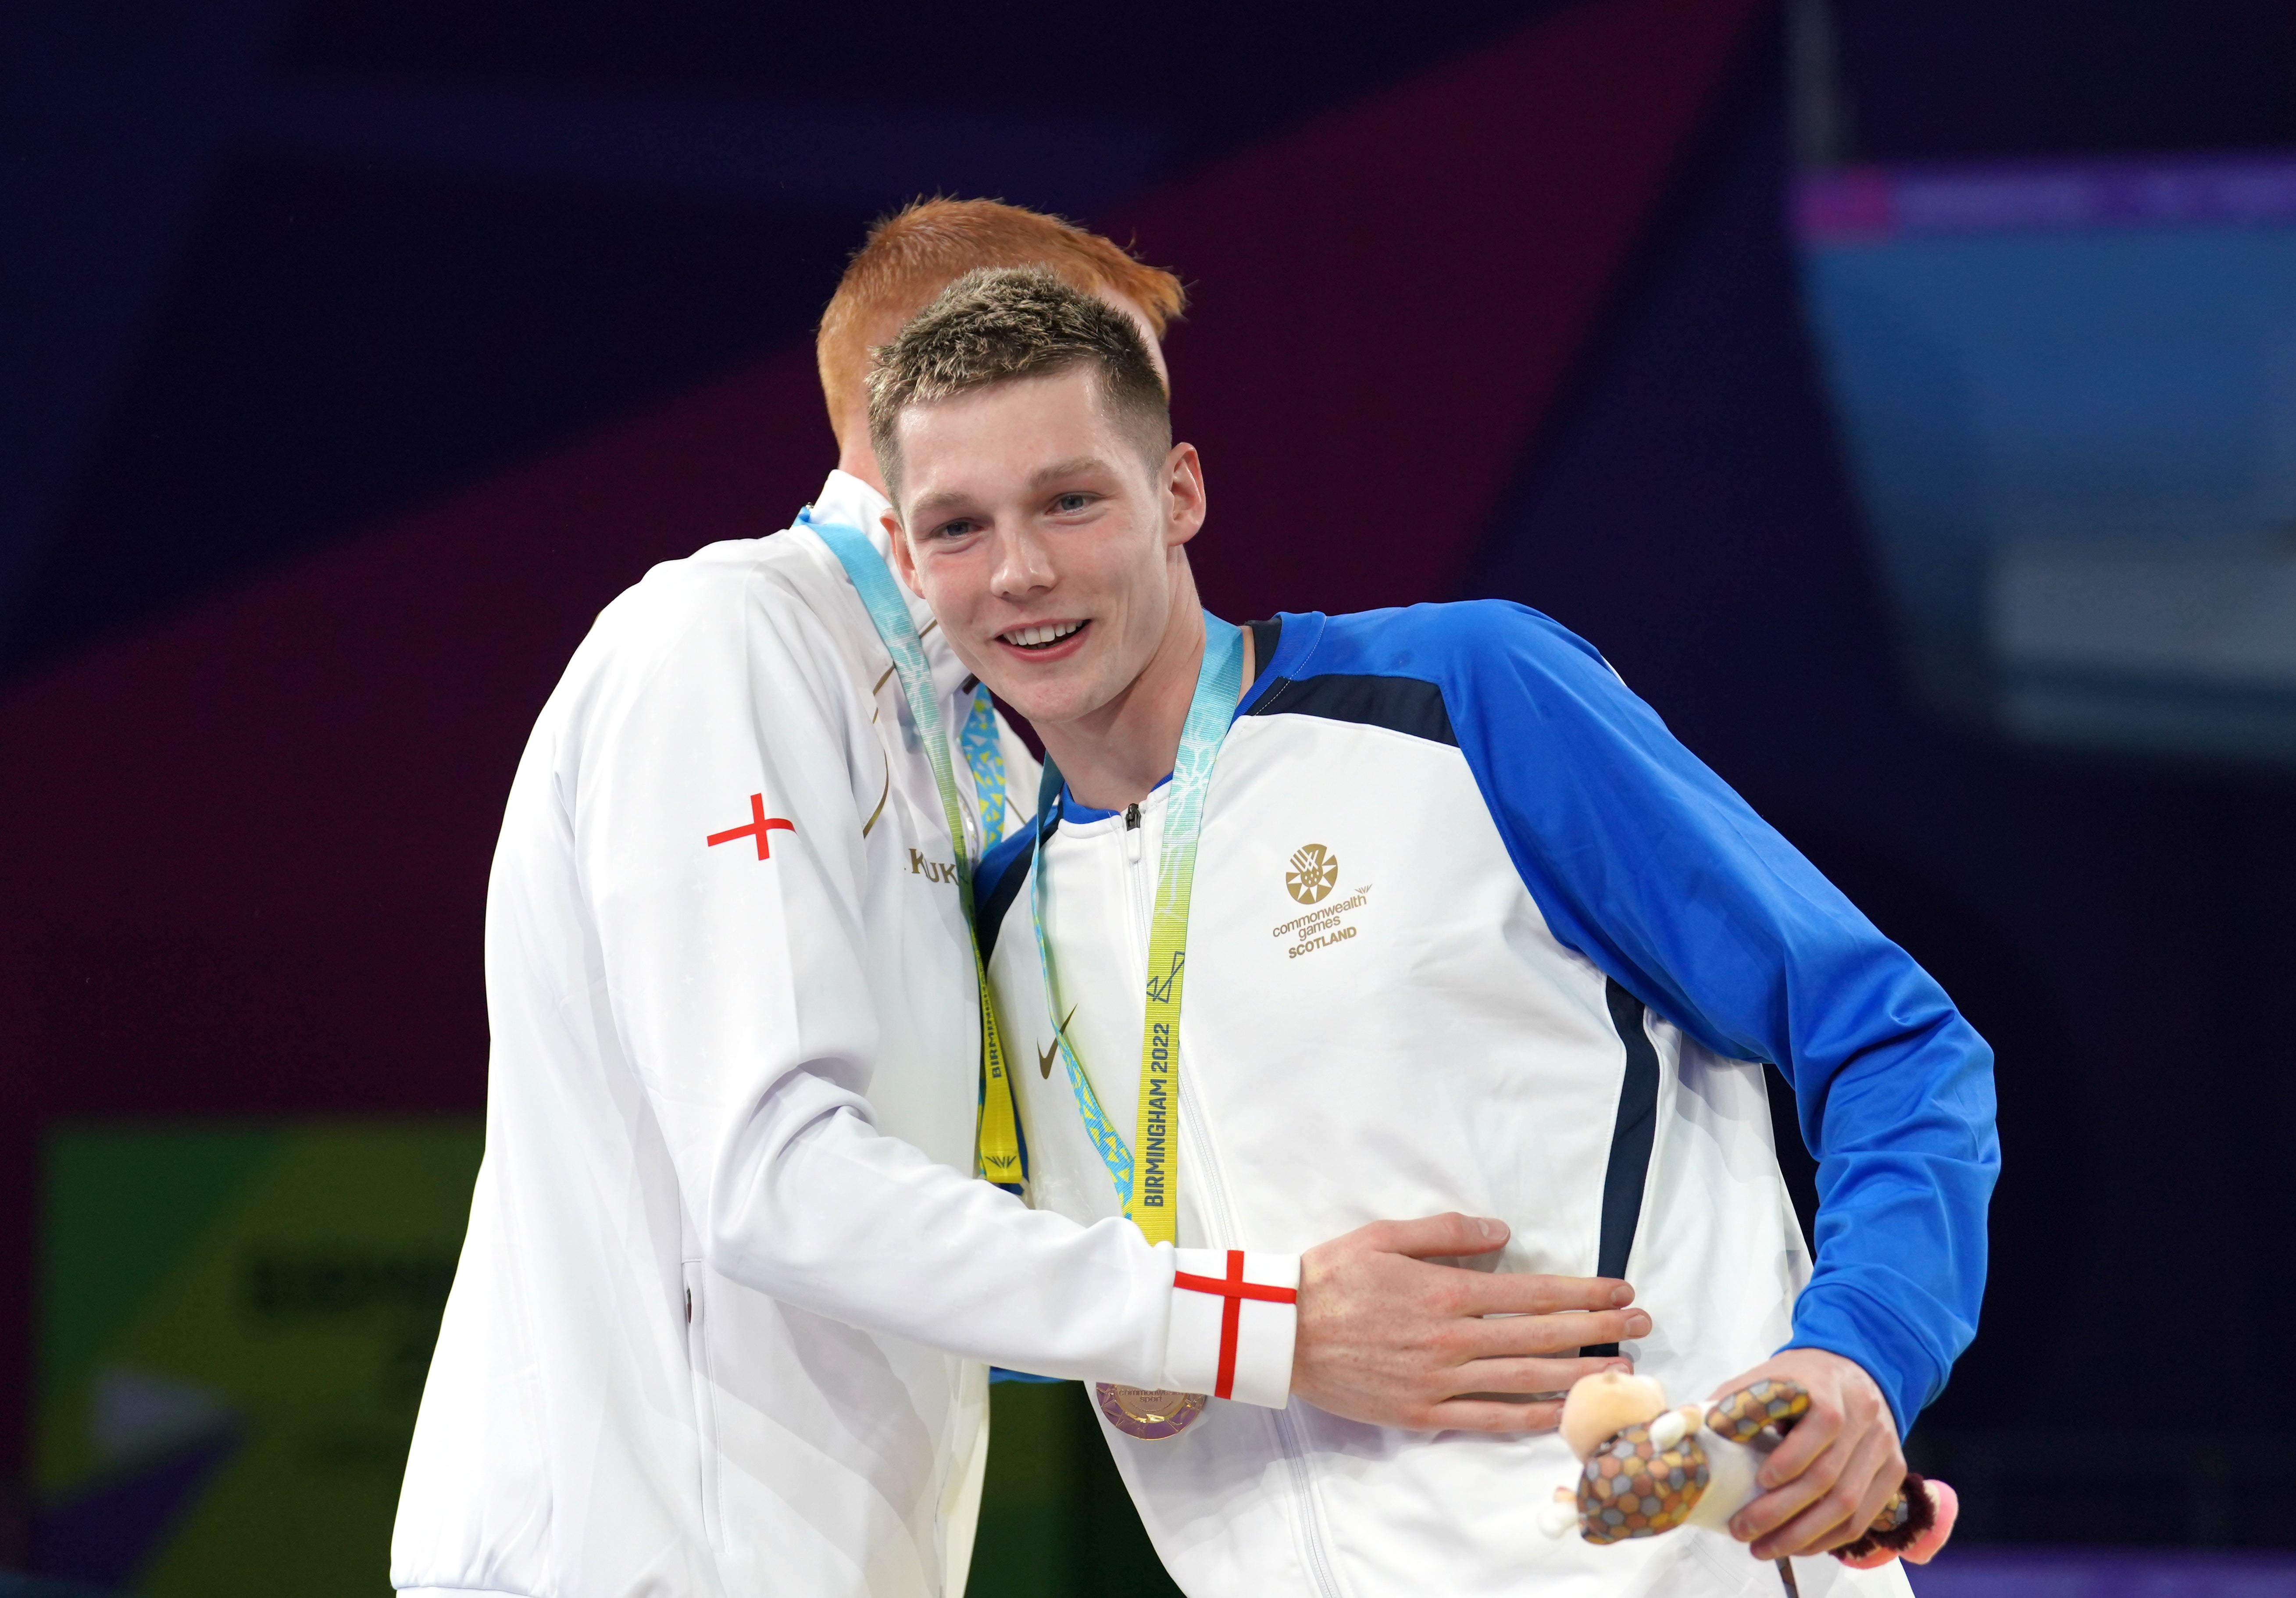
{"type": "Point", "coordinates": [1314, 873]}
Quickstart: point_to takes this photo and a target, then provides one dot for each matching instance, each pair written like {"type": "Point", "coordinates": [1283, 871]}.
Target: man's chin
{"type": "Point", "coordinates": [1041, 702]}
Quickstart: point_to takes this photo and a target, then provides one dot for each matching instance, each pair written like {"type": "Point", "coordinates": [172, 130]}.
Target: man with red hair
{"type": "Point", "coordinates": [722, 1318]}
{"type": "Point", "coordinates": [910, 258]}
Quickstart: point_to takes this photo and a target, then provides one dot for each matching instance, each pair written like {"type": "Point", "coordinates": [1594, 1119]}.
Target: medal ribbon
{"type": "Point", "coordinates": [999, 1139]}
{"type": "Point", "coordinates": [984, 752]}
{"type": "Point", "coordinates": [1148, 1187]}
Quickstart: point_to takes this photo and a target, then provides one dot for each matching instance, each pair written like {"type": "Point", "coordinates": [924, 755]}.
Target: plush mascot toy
{"type": "Point", "coordinates": [1649, 1467]}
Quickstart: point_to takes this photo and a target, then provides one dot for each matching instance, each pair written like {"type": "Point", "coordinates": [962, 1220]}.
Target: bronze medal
{"type": "Point", "coordinates": [1149, 1193]}
{"type": "Point", "coordinates": [1149, 1415]}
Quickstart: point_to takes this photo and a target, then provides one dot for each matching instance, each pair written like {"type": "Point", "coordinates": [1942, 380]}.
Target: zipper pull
{"type": "Point", "coordinates": [1132, 834]}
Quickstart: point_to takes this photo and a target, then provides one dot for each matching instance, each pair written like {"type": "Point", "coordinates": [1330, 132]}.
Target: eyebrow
{"type": "Point", "coordinates": [1069, 467]}
{"type": "Point", "coordinates": [932, 503]}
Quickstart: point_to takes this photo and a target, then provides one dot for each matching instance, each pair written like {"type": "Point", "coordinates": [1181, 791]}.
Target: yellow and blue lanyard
{"type": "Point", "coordinates": [1149, 1188]}
{"type": "Point", "coordinates": [999, 1138]}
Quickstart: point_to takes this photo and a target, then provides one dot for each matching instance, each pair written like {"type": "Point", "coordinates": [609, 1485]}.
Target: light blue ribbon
{"type": "Point", "coordinates": [1219, 683]}
{"type": "Point", "coordinates": [889, 610]}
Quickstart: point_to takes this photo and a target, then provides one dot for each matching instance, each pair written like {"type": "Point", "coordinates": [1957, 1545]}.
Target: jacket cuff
{"type": "Point", "coordinates": [1234, 1317]}
{"type": "Point", "coordinates": [1837, 1317]}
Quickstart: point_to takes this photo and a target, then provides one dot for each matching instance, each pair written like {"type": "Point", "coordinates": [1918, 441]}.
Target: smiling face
{"type": "Point", "coordinates": [1045, 543]}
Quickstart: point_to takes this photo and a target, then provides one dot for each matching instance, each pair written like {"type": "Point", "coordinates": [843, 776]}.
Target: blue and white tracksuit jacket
{"type": "Point", "coordinates": [1472, 931]}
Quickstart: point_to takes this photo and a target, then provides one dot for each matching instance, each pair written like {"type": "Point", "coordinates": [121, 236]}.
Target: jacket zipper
{"type": "Point", "coordinates": [1195, 1143]}
{"type": "Point", "coordinates": [705, 1407]}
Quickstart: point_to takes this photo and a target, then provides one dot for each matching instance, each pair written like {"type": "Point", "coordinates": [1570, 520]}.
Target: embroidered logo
{"type": "Point", "coordinates": [1314, 873]}
{"type": "Point", "coordinates": [1326, 926]}
{"type": "Point", "coordinates": [1045, 1056]}
{"type": "Point", "coordinates": [932, 871]}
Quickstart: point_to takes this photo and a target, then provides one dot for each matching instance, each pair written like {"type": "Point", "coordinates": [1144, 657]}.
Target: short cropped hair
{"type": "Point", "coordinates": [1008, 324]}
{"type": "Point", "coordinates": [911, 256]}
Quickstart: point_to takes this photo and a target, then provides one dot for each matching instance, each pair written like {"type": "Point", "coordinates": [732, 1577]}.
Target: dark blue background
{"type": "Point", "coordinates": [275, 271]}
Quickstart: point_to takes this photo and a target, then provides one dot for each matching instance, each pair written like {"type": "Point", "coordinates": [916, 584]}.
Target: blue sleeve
{"type": "Point", "coordinates": [1646, 863]}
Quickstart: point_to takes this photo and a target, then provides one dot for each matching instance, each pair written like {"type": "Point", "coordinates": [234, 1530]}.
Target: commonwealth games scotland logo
{"type": "Point", "coordinates": [1314, 873]}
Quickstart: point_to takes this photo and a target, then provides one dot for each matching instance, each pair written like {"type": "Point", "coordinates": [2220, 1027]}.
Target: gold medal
{"type": "Point", "coordinates": [1149, 1415]}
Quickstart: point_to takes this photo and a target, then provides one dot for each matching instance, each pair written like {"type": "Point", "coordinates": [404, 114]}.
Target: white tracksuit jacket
{"type": "Point", "coordinates": [1446, 857]}
{"type": "Point", "coordinates": [720, 1319]}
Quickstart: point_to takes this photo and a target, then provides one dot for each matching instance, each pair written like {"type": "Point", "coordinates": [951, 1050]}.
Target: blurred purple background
{"type": "Point", "coordinates": [356, 353]}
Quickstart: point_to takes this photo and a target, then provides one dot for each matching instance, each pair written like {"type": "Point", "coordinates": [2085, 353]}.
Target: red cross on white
{"type": "Point", "coordinates": [1235, 1289]}
{"type": "Point", "coordinates": [760, 823]}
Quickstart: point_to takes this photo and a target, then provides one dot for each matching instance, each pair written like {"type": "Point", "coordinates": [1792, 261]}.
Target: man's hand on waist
{"type": "Point", "coordinates": [1387, 1337]}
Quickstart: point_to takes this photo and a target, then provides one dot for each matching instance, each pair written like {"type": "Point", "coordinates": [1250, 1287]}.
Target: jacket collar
{"type": "Point", "coordinates": [847, 500]}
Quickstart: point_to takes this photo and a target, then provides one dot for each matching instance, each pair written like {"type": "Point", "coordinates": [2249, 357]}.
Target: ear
{"type": "Point", "coordinates": [905, 565]}
{"type": "Point", "coordinates": [1184, 495]}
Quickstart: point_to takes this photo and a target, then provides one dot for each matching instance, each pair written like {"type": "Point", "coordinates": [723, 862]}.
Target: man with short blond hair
{"type": "Point", "coordinates": [1337, 916]}
{"type": "Point", "coordinates": [731, 1283]}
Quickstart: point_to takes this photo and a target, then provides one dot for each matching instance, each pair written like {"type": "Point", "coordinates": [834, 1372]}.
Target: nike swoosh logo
{"type": "Point", "coordinates": [1044, 1057]}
